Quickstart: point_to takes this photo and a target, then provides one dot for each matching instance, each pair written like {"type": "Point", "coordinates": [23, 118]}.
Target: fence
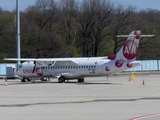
{"type": "Point", "coordinates": [147, 65]}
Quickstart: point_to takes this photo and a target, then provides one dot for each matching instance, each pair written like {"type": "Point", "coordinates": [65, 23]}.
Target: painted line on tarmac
{"type": "Point", "coordinates": [5, 93]}
{"type": "Point", "coordinates": [104, 100]}
{"type": "Point", "coordinates": [146, 116]}
{"type": "Point", "coordinates": [37, 92]}
{"type": "Point", "coordinates": [100, 88]}
{"type": "Point", "coordinates": [70, 90]}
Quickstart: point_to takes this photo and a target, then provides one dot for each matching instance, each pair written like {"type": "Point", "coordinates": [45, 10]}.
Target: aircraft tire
{"type": "Point", "coordinates": [81, 80]}
{"type": "Point", "coordinates": [23, 80]}
{"type": "Point", "coordinates": [61, 80]}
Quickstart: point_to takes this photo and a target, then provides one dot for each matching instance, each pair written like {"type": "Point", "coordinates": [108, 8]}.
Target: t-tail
{"type": "Point", "coordinates": [130, 48]}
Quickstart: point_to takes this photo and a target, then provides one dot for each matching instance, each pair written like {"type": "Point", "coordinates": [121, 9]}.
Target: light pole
{"type": "Point", "coordinates": [18, 31]}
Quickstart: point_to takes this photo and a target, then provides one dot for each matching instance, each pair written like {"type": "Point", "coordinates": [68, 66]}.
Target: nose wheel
{"type": "Point", "coordinates": [23, 79]}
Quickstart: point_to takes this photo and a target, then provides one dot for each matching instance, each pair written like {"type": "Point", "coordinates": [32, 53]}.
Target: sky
{"type": "Point", "coordinates": [140, 4]}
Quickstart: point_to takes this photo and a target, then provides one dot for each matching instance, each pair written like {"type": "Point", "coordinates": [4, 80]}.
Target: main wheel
{"type": "Point", "coordinates": [23, 80]}
{"type": "Point", "coordinates": [61, 79]}
{"type": "Point", "coordinates": [81, 80]}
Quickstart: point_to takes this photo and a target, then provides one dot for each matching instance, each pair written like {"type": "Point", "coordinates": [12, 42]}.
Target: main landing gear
{"type": "Point", "coordinates": [30, 79]}
{"type": "Point", "coordinates": [81, 80]}
{"type": "Point", "coordinates": [25, 79]}
{"type": "Point", "coordinates": [62, 80]}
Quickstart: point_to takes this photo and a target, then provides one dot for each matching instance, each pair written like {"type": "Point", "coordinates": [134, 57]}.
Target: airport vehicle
{"type": "Point", "coordinates": [78, 68]}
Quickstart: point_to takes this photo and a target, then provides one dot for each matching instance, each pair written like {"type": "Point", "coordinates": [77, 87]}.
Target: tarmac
{"type": "Point", "coordinates": [118, 98]}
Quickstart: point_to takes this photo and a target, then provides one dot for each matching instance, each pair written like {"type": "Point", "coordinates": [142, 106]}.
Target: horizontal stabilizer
{"type": "Point", "coordinates": [135, 35]}
{"type": "Point", "coordinates": [147, 35]}
{"type": "Point", "coordinates": [126, 36]}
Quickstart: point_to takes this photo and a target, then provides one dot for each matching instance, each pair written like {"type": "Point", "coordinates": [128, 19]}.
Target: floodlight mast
{"type": "Point", "coordinates": [18, 31]}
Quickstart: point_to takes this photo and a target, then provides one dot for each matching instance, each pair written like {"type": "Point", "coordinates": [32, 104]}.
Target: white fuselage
{"type": "Point", "coordinates": [85, 67]}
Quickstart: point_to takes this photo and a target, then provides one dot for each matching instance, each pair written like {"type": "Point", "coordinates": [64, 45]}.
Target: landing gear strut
{"type": "Point", "coordinates": [81, 80]}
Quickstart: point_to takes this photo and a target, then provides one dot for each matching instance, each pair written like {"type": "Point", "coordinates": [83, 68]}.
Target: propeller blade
{"type": "Point", "coordinates": [34, 69]}
{"type": "Point", "coordinates": [35, 63]}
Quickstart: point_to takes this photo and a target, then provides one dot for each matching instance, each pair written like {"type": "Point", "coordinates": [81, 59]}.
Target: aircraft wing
{"type": "Point", "coordinates": [40, 62]}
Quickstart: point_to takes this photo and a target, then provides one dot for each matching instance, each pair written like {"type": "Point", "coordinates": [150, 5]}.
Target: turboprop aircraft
{"type": "Point", "coordinates": [79, 68]}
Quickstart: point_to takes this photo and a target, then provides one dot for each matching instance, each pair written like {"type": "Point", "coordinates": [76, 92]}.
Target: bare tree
{"type": "Point", "coordinates": [45, 20]}
{"type": "Point", "coordinates": [102, 22]}
{"type": "Point", "coordinates": [7, 34]}
{"type": "Point", "coordinates": [123, 19]}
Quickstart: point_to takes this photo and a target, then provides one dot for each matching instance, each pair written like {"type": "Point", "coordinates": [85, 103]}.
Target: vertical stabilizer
{"type": "Point", "coordinates": [130, 48]}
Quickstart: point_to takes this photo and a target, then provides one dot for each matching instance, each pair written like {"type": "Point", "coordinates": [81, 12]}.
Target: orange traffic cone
{"type": "Point", "coordinates": [129, 78]}
{"type": "Point", "coordinates": [143, 83]}
{"type": "Point", "coordinates": [6, 82]}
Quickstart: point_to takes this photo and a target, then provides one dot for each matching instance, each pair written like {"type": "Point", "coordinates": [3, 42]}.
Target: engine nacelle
{"type": "Point", "coordinates": [44, 63]}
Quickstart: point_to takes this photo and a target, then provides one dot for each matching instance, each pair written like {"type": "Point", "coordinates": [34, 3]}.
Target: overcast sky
{"type": "Point", "coordinates": [141, 4]}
